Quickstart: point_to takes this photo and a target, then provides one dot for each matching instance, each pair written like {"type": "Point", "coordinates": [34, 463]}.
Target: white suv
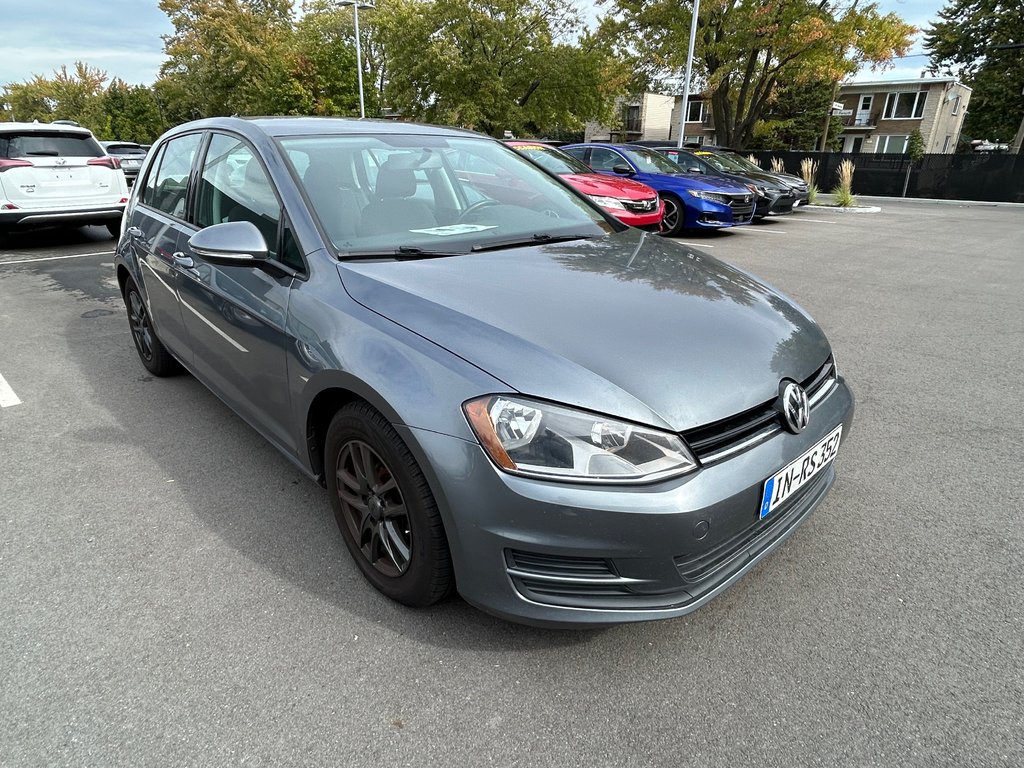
{"type": "Point", "coordinates": [58, 175]}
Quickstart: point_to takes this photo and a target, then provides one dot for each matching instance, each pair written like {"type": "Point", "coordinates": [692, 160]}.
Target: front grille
{"type": "Point", "coordinates": [742, 206]}
{"type": "Point", "coordinates": [641, 206]}
{"type": "Point", "coordinates": [716, 441]}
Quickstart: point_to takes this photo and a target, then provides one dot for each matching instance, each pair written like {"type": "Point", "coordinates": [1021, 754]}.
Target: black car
{"type": "Point", "coordinates": [795, 183]}
{"type": "Point", "coordinates": [774, 197]}
{"type": "Point", "coordinates": [129, 153]}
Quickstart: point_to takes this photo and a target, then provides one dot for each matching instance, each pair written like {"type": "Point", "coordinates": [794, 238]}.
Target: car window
{"type": "Point", "coordinates": [381, 193]}
{"type": "Point", "coordinates": [28, 144]}
{"type": "Point", "coordinates": [149, 187]}
{"type": "Point", "coordinates": [235, 187]}
{"type": "Point", "coordinates": [171, 179]}
{"type": "Point", "coordinates": [602, 159]}
{"type": "Point", "coordinates": [649, 161]}
{"type": "Point", "coordinates": [552, 159]}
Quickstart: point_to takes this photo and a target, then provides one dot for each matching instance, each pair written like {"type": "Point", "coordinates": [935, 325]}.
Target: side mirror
{"type": "Point", "coordinates": [622, 169]}
{"type": "Point", "coordinates": [694, 169]}
{"type": "Point", "coordinates": [233, 242]}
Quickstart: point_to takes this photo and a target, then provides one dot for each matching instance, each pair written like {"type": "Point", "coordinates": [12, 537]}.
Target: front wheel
{"type": "Point", "coordinates": [674, 219]}
{"type": "Point", "coordinates": [384, 508]}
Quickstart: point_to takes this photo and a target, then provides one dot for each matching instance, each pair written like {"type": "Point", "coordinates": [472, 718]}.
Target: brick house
{"type": "Point", "coordinates": [878, 117]}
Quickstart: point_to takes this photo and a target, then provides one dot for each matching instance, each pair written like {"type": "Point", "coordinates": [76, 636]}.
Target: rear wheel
{"type": "Point", "coordinates": [152, 353]}
{"type": "Point", "coordinates": [384, 508]}
{"type": "Point", "coordinates": [674, 218]}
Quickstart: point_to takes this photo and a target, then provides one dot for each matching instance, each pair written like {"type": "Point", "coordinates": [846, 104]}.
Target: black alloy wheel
{"type": "Point", "coordinates": [385, 509]}
{"type": "Point", "coordinates": [374, 508]}
{"type": "Point", "coordinates": [152, 353]}
{"type": "Point", "coordinates": [672, 222]}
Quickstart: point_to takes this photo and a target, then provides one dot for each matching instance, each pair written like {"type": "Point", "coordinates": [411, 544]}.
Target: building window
{"type": "Point", "coordinates": [892, 145]}
{"type": "Point", "coordinates": [956, 105]}
{"type": "Point", "coordinates": [694, 111]}
{"type": "Point", "coordinates": [945, 144]}
{"type": "Point", "coordinates": [908, 105]}
{"type": "Point", "coordinates": [633, 119]}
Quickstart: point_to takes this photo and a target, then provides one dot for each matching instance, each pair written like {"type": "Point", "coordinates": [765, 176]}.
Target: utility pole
{"type": "Point", "coordinates": [686, 78]}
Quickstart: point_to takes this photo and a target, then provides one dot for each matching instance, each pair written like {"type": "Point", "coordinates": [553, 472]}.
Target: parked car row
{"type": "Point", "coordinates": [505, 390]}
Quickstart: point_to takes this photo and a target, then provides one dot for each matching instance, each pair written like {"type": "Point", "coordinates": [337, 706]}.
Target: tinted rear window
{"type": "Point", "coordinates": [124, 149]}
{"type": "Point", "coordinates": [32, 144]}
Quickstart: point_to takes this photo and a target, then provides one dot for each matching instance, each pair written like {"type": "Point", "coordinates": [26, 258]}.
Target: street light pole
{"type": "Point", "coordinates": [686, 77]}
{"type": "Point", "coordinates": [356, 5]}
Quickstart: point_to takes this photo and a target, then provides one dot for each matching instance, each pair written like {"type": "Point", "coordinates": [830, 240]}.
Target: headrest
{"type": "Point", "coordinates": [395, 182]}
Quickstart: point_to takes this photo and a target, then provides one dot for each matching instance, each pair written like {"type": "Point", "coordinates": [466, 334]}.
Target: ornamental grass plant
{"type": "Point", "coordinates": [809, 172]}
{"type": "Point", "coordinates": [843, 191]}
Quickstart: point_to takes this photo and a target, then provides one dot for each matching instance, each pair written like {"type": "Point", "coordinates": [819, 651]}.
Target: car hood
{"type": "Point", "coordinates": [692, 181]}
{"type": "Point", "coordinates": [631, 325]}
{"type": "Point", "coordinates": [607, 186]}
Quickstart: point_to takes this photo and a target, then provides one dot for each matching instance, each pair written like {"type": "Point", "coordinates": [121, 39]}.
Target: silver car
{"type": "Point", "coordinates": [505, 391]}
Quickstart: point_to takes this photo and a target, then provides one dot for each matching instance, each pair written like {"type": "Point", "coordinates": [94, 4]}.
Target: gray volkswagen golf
{"type": "Point", "coordinates": [504, 390]}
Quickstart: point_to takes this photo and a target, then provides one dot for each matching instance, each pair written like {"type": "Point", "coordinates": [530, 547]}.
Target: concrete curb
{"type": "Point", "coordinates": [840, 209]}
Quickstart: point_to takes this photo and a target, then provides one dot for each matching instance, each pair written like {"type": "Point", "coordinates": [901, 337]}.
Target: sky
{"type": "Point", "coordinates": [124, 37]}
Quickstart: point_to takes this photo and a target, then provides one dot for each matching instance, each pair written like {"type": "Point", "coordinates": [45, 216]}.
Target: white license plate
{"type": "Point", "coordinates": [792, 477]}
{"type": "Point", "coordinates": [130, 163]}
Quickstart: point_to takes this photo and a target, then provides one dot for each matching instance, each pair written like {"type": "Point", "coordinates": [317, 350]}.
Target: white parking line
{"type": "Point", "coordinates": [55, 258]}
{"type": "Point", "coordinates": [758, 230]}
{"type": "Point", "coordinates": [695, 245]}
{"type": "Point", "coordinates": [7, 396]}
{"type": "Point", "coordinates": [817, 221]}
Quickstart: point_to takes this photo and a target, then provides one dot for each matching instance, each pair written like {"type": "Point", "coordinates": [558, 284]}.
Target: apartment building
{"type": "Point", "coordinates": [879, 116]}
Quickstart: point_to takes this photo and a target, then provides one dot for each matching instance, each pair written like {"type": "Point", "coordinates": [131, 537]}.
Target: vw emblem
{"type": "Point", "coordinates": [795, 408]}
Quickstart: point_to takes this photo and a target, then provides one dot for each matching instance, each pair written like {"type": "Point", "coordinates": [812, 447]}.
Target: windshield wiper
{"type": "Point", "coordinates": [401, 253]}
{"type": "Point", "coordinates": [535, 239]}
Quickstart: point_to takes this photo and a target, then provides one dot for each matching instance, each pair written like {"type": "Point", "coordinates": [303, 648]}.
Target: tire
{"type": "Point", "coordinates": [384, 508]}
{"type": "Point", "coordinates": [673, 227]}
{"type": "Point", "coordinates": [114, 228]}
{"type": "Point", "coordinates": [152, 353]}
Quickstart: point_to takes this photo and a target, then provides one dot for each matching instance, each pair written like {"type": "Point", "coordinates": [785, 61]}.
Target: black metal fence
{"type": "Point", "coordinates": [982, 177]}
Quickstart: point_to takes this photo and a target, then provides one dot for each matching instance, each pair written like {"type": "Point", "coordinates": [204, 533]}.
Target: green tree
{"type": "Point", "coordinates": [324, 62]}
{"type": "Point", "coordinates": [794, 119]}
{"type": "Point", "coordinates": [68, 95]}
{"type": "Point", "coordinates": [132, 113]}
{"type": "Point", "coordinates": [494, 65]}
{"type": "Point", "coordinates": [964, 42]}
{"type": "Point", "coordinates": [230, 56]}
{"type": "Point", "coordinates": [747, 49]}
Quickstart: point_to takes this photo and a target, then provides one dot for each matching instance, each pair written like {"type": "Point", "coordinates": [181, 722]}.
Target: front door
{"type": "Point", "coordinates": [235, 315]}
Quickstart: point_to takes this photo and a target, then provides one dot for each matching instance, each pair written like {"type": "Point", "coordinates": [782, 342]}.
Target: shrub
{"type": "Point", "coordinates": [844, 189]}
{"type": "Point", "coordinates": [753, 159]}
{"type": "Point", "coordinates": [777, 165]}
{"type": "Point", "coordinates": [809, 172]}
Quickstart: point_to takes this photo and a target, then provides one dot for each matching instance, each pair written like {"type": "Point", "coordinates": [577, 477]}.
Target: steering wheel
{"type": "Point", "coordinates": [477, 206]}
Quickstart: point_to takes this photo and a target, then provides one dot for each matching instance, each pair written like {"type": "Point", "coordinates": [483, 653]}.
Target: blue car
{"type": "Point", "coordinates": [690, 203]}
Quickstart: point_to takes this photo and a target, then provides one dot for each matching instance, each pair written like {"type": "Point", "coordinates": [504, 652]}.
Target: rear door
{"type": "Point", "coordinates": [58, 174]}
{"type": "Point", "coordinates": [158, 225]}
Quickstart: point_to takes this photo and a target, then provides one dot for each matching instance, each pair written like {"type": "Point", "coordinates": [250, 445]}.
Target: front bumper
{"type": "Point", "coordinates": [559, 554]}
{"type": "Point", "coordinates": [649, 221]}
{"type": "Point", "coordinates": [706, 214]}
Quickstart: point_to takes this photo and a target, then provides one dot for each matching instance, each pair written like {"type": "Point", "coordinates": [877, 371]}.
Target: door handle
{"type": "Point", "coordinates": [183, 261]}
{"type": "Point", "coordinates": [133, 232]}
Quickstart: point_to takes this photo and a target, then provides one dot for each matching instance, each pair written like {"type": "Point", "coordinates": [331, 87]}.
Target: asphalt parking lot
{"type": "Point", "coordinates": [172, 591]}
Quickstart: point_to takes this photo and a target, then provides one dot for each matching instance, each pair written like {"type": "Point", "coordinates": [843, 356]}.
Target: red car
{"type": "Point", "coordinates": [629, 201]}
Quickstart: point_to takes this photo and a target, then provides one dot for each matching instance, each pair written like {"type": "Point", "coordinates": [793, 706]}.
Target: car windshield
{"type": "Point", "coordinates": [720, 162]}
{"type": "Point", "coordinates": [740, 162]}
{"type": "Point", "coordinates": [552, 159]}
{"type": "Point", "coordinates": [409, 194]}
{"type": "Point", "coordinates": [649, 161]}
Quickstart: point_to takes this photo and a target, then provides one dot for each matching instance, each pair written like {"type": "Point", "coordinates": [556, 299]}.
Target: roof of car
{"type": "Point", "coordinates": [310, 126]}
{"type": "Point", "coordinates": [43, 127]}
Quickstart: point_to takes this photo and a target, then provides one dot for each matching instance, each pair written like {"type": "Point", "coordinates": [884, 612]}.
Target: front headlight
{"type": "Point", "coordinates": [609, 202]}
{"type": "Point", "coordinates": [715, 197]}
{"type": "Point", "coordinates": [537, 439]}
